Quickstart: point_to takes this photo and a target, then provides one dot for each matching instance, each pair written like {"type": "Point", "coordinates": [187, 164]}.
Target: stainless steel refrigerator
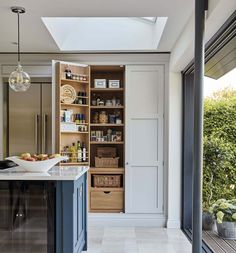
{"type": "Point", "coordinates": [29, 120]}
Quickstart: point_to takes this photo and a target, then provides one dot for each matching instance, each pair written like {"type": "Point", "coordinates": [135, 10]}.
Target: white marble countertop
{"type": "Point", "coordinates": [57, 173]}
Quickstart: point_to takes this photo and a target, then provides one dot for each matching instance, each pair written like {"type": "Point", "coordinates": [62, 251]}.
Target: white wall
{"type": "Point", "coordinates": [182, 53]}
{"type": "Point", "coordinates": [181, 56]}
{"type": "Point", "coordinates": [175, 150]}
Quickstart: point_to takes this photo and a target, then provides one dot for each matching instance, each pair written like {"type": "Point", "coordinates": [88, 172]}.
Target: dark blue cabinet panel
{"type": "Point", "coordinates": [58, 208]}
{"type": "Point", "coordinates": [71, 216]}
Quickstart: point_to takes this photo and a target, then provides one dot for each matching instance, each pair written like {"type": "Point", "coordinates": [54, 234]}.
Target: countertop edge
{"type": "Point", "coordinates": [12, 175]}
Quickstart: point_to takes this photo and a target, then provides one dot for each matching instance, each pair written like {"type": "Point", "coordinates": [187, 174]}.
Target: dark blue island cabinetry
{"type": "Point", "coordinates": [71, 216]}
{"type": "Point", "coordinates": [44, 213]}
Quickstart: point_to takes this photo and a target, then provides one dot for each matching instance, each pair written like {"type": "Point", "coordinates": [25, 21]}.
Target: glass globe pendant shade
{"type": "Point", "coordinates": [19, 80]}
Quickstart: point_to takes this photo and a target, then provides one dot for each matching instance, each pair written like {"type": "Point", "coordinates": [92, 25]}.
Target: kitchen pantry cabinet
{"type": "Point", "coordinates": [140, 151]}
{"type": "Point", "coordinates": [144, 139]}
{"type": "Point", "coordinates": [102, 109]}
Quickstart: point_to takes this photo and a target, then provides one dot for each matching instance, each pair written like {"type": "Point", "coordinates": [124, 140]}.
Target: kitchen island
{"type": "Point", "coordinates": [43, 212]}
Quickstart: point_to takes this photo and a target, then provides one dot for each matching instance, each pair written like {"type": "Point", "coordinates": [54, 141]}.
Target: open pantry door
{"type": "Point", "coordinates": [70, 112]}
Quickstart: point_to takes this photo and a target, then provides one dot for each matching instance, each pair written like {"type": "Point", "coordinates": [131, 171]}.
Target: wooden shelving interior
{"type": "Point", "coordinates": [107, 142]}
{"type": "Point", "coordinates": [107, 199]}
{"type": "Point", "coordinates": [110, 90]}
{"type": "Point", "coordinates": [106, 125]}
{"type": "Point", "coordinates": [101, 199]}
{"type": "Point", "coordinates": [106, 107]}
{"type": "Point", "coordinates": [70, 81]}
{"type": "Point", "coordinates": [73, 105]}
{"type": "Point", "coordinates": [66, 138]}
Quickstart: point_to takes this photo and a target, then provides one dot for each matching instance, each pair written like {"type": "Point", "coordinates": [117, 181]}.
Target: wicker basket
{"type": "Point", "coordinates": [106, 162]}
{"type": "Point", "coordinates": [107, 181]}
{"type": "Point", "coordinates": [106, 152]}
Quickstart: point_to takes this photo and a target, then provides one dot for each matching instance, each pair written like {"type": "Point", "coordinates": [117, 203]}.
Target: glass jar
{"type": "Point", "coordinates": [95, 118]}
{"type": "Point", "coordinates": [103, 117]}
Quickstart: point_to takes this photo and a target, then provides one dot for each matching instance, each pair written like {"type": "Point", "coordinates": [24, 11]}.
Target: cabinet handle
{"type": "Point", "coordinates": [36, 133]}
{"type": "Point", "coordinates": [107, 192]}
{"type": "Point", "coordinates": [44, 134]}
{"type": "Point", "coordinates": [126, 163]}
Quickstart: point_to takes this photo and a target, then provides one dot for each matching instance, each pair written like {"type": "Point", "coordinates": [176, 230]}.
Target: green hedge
{"type": "Point", "coordinates": [219, 154]}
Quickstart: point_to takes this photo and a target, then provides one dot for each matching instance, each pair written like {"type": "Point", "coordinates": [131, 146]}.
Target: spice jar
{"type": "Point", "coordinates": [95, 117]}
{"type": "Point", "coordinates": [103, 117]}
{"type": "Point", "coordinates": [113, 101]}
{"type": "Point", "coordinates": [94, 100]}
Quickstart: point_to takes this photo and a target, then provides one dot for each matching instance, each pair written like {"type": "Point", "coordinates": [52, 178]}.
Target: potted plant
{"type": "Point", "coordinates": [224, 211]}
{"type": "Point", "coordinates": [207, 217]}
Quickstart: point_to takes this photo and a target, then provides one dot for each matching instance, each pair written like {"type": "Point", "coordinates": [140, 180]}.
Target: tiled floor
{"type": "Point", "coordinates": [137, 240]}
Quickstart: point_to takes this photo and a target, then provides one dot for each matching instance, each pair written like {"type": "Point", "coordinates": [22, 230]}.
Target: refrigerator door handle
{"type": "Point", "coordinates": [36, 133]}
{"type": "Point", "coordinates": [44, 135]}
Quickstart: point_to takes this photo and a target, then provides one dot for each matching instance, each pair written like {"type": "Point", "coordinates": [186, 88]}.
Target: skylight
{"type": "Point", "coordinates": [106, 34]}
{"type": "Point", "coordinates": [150, 19]}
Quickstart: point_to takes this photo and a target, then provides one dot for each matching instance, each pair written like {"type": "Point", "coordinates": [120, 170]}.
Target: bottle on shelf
{"type": "Point", "coordinates": [73, 150]}
{"type": "Point", "coordinates": [80, 99]}
{"type": "Point", "coordinates": [68, 74]}
{"type": "Point", "coordinates": [98, 100]}
{"type": "Point", "coordinates": [79, 151]}
{"type": "Point", "coordinates": [84, 99]}
{"type": "Point", "coordinates": [83, 152]}
{"type": "Point", "coordinates": [94, 100]}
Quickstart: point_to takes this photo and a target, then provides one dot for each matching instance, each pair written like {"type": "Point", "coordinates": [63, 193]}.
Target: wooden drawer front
{"type": "Point", "coordinates": [112, 200]}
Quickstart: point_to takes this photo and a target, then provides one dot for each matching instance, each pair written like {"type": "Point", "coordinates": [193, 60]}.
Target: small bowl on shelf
{"type": "Point", "coordinates": [37, 166]}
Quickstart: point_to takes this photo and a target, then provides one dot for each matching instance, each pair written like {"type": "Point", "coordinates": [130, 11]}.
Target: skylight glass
{"type": "Point", "coordinates": [106, 34]}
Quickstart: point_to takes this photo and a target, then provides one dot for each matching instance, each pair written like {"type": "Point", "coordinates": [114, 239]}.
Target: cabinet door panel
{"type": "Point", "coordinates": [143, 135]}
{"type": "Point", "coordinates": [144, 139]}
{"type": "Point", "coordinates": [24, 123]}
{"type": "Point", "coordinates": [144, 96]}
{"type": "Point", "coordinates": [145, 195]}
{"type": "Point", "coordinates": [79, 217]}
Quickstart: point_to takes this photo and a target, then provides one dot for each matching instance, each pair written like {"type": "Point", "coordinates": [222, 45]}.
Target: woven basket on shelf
{"type": "Point", "coordinates": [106, 162]}
{"type": "Point", "coordinates": [107, 181]}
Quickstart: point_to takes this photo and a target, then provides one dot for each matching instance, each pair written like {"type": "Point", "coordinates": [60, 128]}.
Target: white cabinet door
{"type": "Point", "coordinates": [144, 139]}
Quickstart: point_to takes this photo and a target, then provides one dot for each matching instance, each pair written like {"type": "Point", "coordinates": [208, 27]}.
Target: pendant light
{"type": "Point", "coordinates": [19, 80]}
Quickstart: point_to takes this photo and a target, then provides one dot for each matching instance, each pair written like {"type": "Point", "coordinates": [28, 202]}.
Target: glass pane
{"type": "Point", "coordinates": [26, 211]}
{"type": "Point", "coordinates": [219, 171]}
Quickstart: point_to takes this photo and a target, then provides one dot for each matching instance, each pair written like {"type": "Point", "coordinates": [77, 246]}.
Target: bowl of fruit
{"type": "Point", "coordinates": [37, 163]}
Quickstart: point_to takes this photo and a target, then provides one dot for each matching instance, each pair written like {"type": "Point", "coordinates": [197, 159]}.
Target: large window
{"type": "Point", "coordinates": [219, 94]}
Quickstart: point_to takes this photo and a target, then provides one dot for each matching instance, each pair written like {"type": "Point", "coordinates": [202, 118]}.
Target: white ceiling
{"type": "Point", "coordinates": [36, 38]}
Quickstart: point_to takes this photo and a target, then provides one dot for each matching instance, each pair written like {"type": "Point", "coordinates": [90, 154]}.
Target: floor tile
{"type": "Point", "coordinates": [136, 240]}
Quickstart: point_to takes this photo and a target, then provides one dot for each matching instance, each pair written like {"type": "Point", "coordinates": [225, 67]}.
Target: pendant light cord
{"type": "Point", "coordinates": [18, 20]}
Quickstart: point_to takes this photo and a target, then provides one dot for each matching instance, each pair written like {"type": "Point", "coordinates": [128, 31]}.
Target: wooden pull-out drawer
{"type": "Point", "coordinates": [107, 200]}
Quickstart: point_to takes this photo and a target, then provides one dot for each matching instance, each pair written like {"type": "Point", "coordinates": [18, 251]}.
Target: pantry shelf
{"type": "Point", "coordinates": [107, 89]}
{"type": "Point", "coordinates": [74, 105]}
{"type": "Point", "coordinates": [70, 81]}
{"type": "Point", "coordinates": [107, 142]}
{"type": "Point", "coordinates": [106, 125]}
{"type": "Point", "coordinates": [95, 170]}
{"type": "Point", "coordinates": [73, 132]}
{"type": "Point", "coordinates": [107, 107]}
